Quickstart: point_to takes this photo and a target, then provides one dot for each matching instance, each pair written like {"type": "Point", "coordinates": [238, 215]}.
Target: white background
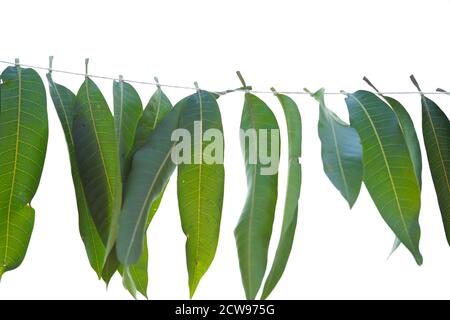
{"type": "Point", "coordinates": [287, 44]}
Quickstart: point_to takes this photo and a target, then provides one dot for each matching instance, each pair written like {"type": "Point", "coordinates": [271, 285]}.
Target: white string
{"type": "Point", "coordinates": [213, 91]}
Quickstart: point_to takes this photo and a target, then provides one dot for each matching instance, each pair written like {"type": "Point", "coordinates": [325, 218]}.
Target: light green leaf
{"type": "Point", "coordinates": [64, 101]}
{"type": "Point", "coordinates": [388, 169]}
{"type": "Point", "coordinates": [127, 112]}
{"type": "Point", "coordinates": [151, 168]}
{"type": "Point", "coordinates": [294, 127]}
{"type": "Point", "coordinates": [23, 144]}
{"type": "Point", "coordinates": [200, 186]}
{"type": "Point", "coordinates": [341, 152]}
{"type": "Point", "coordinates": [254, 229]}
{"type": "Point", "coordinates": [97, 158]}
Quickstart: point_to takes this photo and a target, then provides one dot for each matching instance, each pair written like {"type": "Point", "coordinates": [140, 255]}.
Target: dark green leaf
{"type": "Point", "coordinates": [388, 169]}
{"type": "Point", "coordinates": [294, 127]}
{"type": "Point", "coordinates": [436, 134]}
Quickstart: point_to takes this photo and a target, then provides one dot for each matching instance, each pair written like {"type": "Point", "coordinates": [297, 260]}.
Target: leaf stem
{"type": "Point", "coordinates": [158, 85]}
{"type": "Point", "coordinates": [371, 84]}
{"type": "Point", "coordinates": [414, 81]}
{"type": "Point", "coordinates": [241, 78]}
{"type": "Point", "coordinates": [86, 67]}
{"type": "Point", "coordinates": [50, 64]}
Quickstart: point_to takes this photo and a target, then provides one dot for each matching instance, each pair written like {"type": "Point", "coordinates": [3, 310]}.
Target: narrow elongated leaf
{"type": "Point", "coordinates": [65, 101]}
{"type": "Point", "coordinates": [294, 127]}
{"type": "Point", "coordinates": [254, 229]}
{"type": "Point", "coordinates": [151, 168]}
{"type": "Point", "coordinates": [97, 158]}
{"type": "Point", "coordinates": [201, 185]}
{"type": "Point", "coordinates": [436, 134]}
{"type": "Point", "coordinates": [341, 152]}
{"type": "Point", "coordinates": [388, 169]}
{"type": "Point", "coordinates": [23, 144]}
{"type": "Point", "coordinates": [127, 112]}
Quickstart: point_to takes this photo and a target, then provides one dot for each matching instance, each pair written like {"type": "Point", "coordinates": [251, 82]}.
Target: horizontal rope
{"type": "Point", "coordinates": [195, 88]}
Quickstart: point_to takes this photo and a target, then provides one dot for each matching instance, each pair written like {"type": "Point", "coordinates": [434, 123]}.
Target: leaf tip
{"type": "Point", "coordinates": [2, 271]}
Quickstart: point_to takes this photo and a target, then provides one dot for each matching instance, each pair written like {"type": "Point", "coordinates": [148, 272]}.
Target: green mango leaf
{"type": "Point", "coordinates": [150, 171]}
{"type": "Point", "coordinates": [200, 185]}
{"type": "Point", "coordinates": [65, 101]}
{"type": "Point", "coordinates": [341, 152]}
{"type": "Point", "coordinates": [157, 108]}
{"type": "Point", "coordinates": [98, 161]}
{"type": "Point", "coordinates": [23, 144]}
{"type": "Point", "coordinates": [294, 128]}
{"type": "Point", "coordinates": [127, 112]}
{"type": "Point", "coordinates": [409, 132]}
{"type": "Point", "coordinates": [436, 135]}
{"type": "Point", "coordinates": [388, 169]}
{"type": "Point", "coordinates": [254, 229]}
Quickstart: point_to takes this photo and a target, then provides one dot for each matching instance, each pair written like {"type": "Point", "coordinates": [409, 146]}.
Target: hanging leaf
{"type": "Point", "coordinates": [388, 169]}
{"type": "Point", "coordinates": [64, 101]}
{"type": "Point", "coordinates": [23, 144]}
{"type": "Point", "coordinates": [127, 112]}
{"type": "Point", "coordinates": [97, 158]}
{"type": "Point", "coordinates": [436, 135]}
{"type": "Point", "coordinates": [294, 128]}
{"type": "Point", "coordinates": [201, 184]}
{"type": "Point", "coordinates": [412, 142]}
{"type": "Point", "coordinates": [254, 229]}
{"type": "Point", "coordinates": [151, 168]}
{"type": "Point", "coordinates": [157, 108]}
{"type": "Point", "coordinates": [341, 152]}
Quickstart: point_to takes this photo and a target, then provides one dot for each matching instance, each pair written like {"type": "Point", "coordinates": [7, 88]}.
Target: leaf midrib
{"type": "Point", "coordinates": [197, 249]}
{"type": "Point", "coordinates": [157, 111]}
{"type": "Point", "coordinates": [13, 178]}
{"type": "Point", "coordinates": [98, 141]}
{"type": "Point", "coordinates": [251, 212]}
{"type": "Point", "coordinates": [119, 132]}
{"type": "Point", "coordinates": [388, 169]}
